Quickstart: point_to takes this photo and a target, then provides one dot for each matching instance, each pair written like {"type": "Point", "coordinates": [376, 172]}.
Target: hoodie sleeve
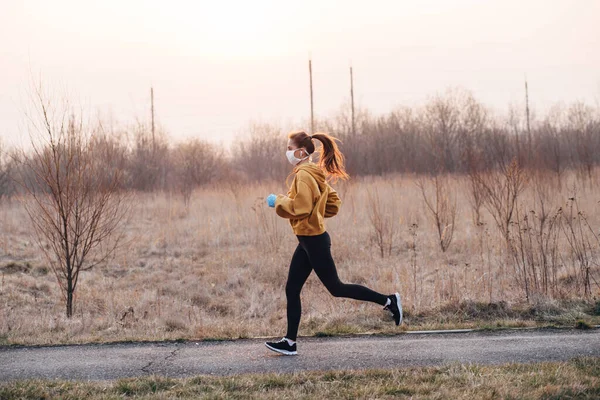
{"type": "Point", "coordinates": [333, 203]}
{"type": "Point", "coordinates": [298, 207]}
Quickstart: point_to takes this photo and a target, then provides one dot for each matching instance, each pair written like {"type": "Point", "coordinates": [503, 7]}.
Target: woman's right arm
{"type": "Point", "coordinates": [298, 207]}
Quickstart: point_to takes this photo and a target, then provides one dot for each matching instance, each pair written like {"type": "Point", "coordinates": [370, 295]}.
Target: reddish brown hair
{"type": "Point", "coordinates": [331, 158]}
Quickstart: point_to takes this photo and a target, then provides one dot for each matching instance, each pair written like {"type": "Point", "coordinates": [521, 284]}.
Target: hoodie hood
{"type": "Point", "coordinates": [315, 171]}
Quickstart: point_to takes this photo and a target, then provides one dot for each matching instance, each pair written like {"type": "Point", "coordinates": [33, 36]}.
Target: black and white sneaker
{"type": "Point", "coordinates": [395, 307]}
{"type": "Point", "coordinates": [283, 346]}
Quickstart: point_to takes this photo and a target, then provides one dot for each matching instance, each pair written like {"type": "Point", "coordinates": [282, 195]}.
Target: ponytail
{"type": "Point", "coordinates": [331, 158]}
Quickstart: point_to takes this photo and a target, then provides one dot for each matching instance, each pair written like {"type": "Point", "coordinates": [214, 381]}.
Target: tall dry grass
{"type": "Point", "coordinates": [218, 267]}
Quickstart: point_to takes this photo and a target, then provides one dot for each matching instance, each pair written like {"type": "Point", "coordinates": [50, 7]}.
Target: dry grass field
{"type": "Point", "coordinates": [218, 268]}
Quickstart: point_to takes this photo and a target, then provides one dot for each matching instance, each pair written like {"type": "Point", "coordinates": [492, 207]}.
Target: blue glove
{"type": "Point", "coordinates": [271, 200]}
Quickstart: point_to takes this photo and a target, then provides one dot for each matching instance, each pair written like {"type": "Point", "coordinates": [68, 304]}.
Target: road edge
{"type": "Point", "coordinates": [5, 347]}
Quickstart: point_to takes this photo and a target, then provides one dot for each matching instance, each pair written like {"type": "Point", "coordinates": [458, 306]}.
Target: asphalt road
{"type": "Point", "coordinates": [112, 361]}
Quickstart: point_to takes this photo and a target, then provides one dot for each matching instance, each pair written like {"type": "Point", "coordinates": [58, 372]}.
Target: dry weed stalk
{"type": "Point", "coordinates": [533, 245]}
{"type": "Point", "coordinates": [583, 242]}
{"type": "Point", "coordinates": [441, 207]}
{"type": "Point", "coordinates": [534, 242]}
{"type": "Point", "coordinates": [5, 173]}
{"type": "Point", "coordinates": [500, 193]}
{"type": "Point", "coordinates": [476, 196]}
{"type": "Point", "coordinates": [413, 265]}
{"type": "Point", "coordinates": [268, 226]}
{"type": "Point", "coordinates": [383, 222]}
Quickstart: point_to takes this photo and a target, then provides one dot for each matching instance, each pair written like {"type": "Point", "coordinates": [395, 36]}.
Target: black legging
{"type": "Point", "coordinates": [314, 252]}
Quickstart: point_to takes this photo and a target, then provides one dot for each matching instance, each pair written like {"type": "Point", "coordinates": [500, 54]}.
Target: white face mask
{"type": "Point", "coordinates": [292, 158]}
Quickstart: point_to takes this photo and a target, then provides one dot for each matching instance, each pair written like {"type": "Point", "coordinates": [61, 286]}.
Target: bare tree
{"type": "Point", "coordinates": [442, 118]}
{"type": "Point", "coordinates": [74, 206]}
{"type": "Point", "coordinates": [586, 134]}
{"type": "Point", "coordinates": [552, 148]}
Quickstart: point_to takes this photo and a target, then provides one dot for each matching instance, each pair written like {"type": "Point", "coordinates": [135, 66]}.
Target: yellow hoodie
{"type": "Point", "coordinates": [309, 200]}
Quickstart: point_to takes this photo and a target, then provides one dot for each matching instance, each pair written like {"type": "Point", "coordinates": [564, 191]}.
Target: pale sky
{"type": "Point", "coordinates": [217, 65]}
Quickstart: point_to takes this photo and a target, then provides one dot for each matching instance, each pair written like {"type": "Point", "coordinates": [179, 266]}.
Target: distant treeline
{"type": "Point", "coordinates": [452, 132]}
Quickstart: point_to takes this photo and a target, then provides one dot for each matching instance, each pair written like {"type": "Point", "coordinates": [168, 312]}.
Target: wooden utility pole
{"type": "Point", "coordinates": [352, 100]}
{"type": "Point", "coordinates": [152, 116]}
{"type": "Point", "coordinates": [312, 115]}
{"type": "Point", "coordinates": [527, 116]}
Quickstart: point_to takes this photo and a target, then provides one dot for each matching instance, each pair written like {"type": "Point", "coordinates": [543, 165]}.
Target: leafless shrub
{"type": "Point", "coordinates": [441, 207]}
{"type": "Point", "coordinates": [149, 159]}
{"type": "Point", "coordinates": [500, 193]}
{"type": "Point", "coordinates": [196, 163]}
{"type": "Point", "coordinates": [110, 151]}
{"type": "Point", "coordinates": [233, 182]}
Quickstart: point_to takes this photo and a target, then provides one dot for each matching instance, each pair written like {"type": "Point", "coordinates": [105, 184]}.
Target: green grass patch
{"type": "Point", "coordinates": [578, 378]}
{"type": "Point", "coordinates": [581, 324]}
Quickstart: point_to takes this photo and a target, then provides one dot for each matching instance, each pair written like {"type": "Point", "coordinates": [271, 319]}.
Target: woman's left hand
{"type": "Point", "coordinates": [271, 200]}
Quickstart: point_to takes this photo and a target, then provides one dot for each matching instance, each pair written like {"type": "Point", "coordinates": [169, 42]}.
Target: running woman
{"type": "Point", "coordinates": [308, 202]}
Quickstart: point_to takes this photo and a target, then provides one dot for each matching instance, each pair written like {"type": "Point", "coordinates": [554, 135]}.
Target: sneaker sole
{"type": "Point", "coordinates": [399, 304]}
{"type": "Point", "coordinates": [281, 351]}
